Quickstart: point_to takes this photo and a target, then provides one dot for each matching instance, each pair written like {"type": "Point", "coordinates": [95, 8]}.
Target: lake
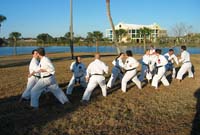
{"type": "Point", "coordinates": [6, 51]}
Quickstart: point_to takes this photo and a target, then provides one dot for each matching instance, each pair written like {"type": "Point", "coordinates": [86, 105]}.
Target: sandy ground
{"type": "Point", "coordinates": [173, 110]}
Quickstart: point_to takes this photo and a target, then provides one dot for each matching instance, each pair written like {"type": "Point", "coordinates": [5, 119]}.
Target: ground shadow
{"type": "Point", "coordinates": [196, 120]}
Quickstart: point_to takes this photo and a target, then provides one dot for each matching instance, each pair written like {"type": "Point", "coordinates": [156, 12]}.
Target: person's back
{"type": "Point", "coordinates": [95, 77]}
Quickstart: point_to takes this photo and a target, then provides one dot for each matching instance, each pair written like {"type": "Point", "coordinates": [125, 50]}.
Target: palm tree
{"type": "Point", "coordinates": [112, 25]}
{"type": "Point", "coordinates": [144, 32]}
{"type": "Point", "coordinates": [120, 34]}
{"type": "Point", "coordinates": [95, 36]}
{"type": "Point", "coordinates": [14, 36]}
{"type": "Point", "coordinates": [2, 19]}
{"type": "Point", "coordinates": [71, 30]}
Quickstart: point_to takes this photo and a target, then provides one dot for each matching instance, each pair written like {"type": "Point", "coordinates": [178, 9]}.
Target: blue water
{"type": "Point", "coordinates": [6, 51]}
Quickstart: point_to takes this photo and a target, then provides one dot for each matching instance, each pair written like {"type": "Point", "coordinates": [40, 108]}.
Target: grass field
{"type": "Point", "coordinates": [173, 110]}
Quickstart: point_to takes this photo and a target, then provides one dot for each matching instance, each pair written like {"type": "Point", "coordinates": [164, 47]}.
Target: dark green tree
{"type": "Point", "coordinates": [15, 36]}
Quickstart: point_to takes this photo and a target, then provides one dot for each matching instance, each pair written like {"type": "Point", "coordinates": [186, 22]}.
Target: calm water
{"type": "Point", "coordinates": [6, 51]}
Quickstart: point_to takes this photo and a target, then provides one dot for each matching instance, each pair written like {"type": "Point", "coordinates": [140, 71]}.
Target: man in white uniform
{"type": "Point", "coordinates": [47, 81]}
{"type": "Point", "coordinates": [116, 70]}
{"type": "Point", "coordinates": [94, 75]}
{"type": "Point", "coordinates": [186, 66]}
{"type": "Point", "coordinates": [160, 62]}
{"type": "Point", "coordinates": [171, 57]}
{"type": "Point", "coordinates": [130, 66]}
{"type": "Point", "coordinates": [79, 73]}
{"type": "Point", "coordinates": [32, 77]}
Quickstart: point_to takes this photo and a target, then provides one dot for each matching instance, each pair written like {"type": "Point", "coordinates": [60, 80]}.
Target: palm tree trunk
{"type": "Point", "coordinates": [71, 31]}
{"type": "Point", "coordinates": [15, 44]}
{"type": "Point", "coordinates": [97, 48]}
{"type": "Point", "coordinates": [112, 25]}
{"type": "Point", "coordinates": [144, 42]}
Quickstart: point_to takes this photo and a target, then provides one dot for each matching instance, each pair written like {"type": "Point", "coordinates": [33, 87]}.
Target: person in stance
{"type": "Point", "coordinates": [145, 71]}
{"type": "Point", "coordinates": [171, 57]}
{"type": "Point", "coordinates": [116, 70]}
{"type": "Point", "coordinates": [160, 61]}
{"type": "Point", "coordinates": [32, 77]}
{"type": "Point", "coordinates": [79, 72]}
{"type": "Point", "coordinates": [130, 67]}
{"type": "Point", "coordinates": [47, 81]}
{"type": "Point", "coordinates": [186, 64]}
{"type": "Point", "coordinates": [94, 77]}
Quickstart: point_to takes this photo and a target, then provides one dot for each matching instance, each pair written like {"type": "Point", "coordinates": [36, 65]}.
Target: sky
{"type": "Point", "coordinates": [32, 17]}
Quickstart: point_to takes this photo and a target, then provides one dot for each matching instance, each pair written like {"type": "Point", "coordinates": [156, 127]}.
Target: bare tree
{"type": "Point", "coordinates": [181, 29]}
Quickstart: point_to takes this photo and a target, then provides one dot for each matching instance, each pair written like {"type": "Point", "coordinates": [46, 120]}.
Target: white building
{"type": "Point", "coordinates": [133, 32]}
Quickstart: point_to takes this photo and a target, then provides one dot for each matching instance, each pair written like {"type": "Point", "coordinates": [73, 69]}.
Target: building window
{"type": "Point", "coordinates": [110, 31]}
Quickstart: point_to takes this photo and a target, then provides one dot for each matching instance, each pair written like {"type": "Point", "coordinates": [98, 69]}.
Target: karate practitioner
{"type": "Point", "coordinates": [79, 73]}
{"type": "Point", "coordinates": [32, 77]}
{"type": "Point", "coordinates": [186, 64]}
{"type": "Point", "coordinates": [130, 66]}
{"type": "Point", "coordinates": [171, 57]}
{"type": "Point", "coordinates": [94, 77]}
{"type": "Point", "coordinates": [145, 71]}
{"type": "Point", "coordinates": [116, 70]}
{"type": "Point", "coordinates": [160, 62]}
{"type": "Point", "coordinates": [47, 81]}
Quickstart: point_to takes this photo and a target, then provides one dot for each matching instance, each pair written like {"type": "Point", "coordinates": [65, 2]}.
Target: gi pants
{"type": "Point", "coordinates": [30, 84]}
{"type": "Point", "coordinates": [50, 84]}
{"type": "Point", "coordinates": [145, 72]}
{"type": "Point", "coordinates": [93, 82]}
{"type": "Point", "coordinates": [170, 67]}
{"type": "Point", "coordinates": [116, 73]}
{"type": "Point", "coordinates": [160, 75]}
{"type": "Point", "coordinates": [73, 81]}
{"type": "Point", "coordinates": [184, 68]}
{"type": "Point", "coordinates": [127, 77]}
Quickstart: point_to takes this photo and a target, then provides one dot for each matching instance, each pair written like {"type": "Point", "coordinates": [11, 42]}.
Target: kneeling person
{"type": "Point", "coordinates": [79, 73]}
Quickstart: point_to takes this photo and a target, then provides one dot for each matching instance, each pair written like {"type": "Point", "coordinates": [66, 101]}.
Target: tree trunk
{"type": "Point", "coordinates": [112, 25]}
{"type": "Point", "coordinates": [71, 31]}
{"type": "Point", "coordinates": [144, 41]}
{"type": "Point", "coordinates": [97, 48]}
{"type": "Point", "coordinates": [15, 44]}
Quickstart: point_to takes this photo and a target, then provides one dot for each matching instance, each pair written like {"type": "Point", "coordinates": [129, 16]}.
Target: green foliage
{"type": "Point", "coordinates": [2, 19]}
{"type": "Point", "coordinates": [15, 36]}
{"type": "Point", "coordinates": [44, 38]}
{"type": "Point", "coordinates": [120, 34]}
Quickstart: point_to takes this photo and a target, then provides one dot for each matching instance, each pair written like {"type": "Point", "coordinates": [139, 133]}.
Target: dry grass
{"type": "Point", "coordinates": [173, 110]}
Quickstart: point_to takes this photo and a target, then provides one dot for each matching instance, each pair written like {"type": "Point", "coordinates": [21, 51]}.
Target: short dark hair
{"type": "Point", "coordinates": [34, 51]}
{"type": "Point", "coordinates": [129, 53]}
{"type": "Point", "coordinates": [183, 47]}
{"type": "Point", "coordinates": [41, 51]}
{"type": "Point", "coordinates": [159, 51]}
{"type": "Point", "coordinates": [76, 58]}
{"type": "Point", "coordinates": [171, 50]}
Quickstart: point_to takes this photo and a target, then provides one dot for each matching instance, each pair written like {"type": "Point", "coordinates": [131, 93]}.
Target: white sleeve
{"type": "Point", "coordinates": [182, 57]}
{"type": "Point", "coordinates": [105, 68]}
{"type": "Point", "coordinates": [72, 66]}
{"type": "Point", "coordinates": [50, 68]}
{"type": "Point", "coordinates": [176, 59]}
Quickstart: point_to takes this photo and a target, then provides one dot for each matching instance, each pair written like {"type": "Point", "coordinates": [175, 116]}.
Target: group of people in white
{"type": "Point", "coordinates": [154, 66]}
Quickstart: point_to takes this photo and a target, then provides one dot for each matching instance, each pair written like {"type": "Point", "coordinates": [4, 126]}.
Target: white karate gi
{"type": "Point", "coordinates": [160, 61]}
{"type": "Point", "coordinates": [186, 66]}
{"type": "Point", "coordinates": [116, 72]}
{"type": "Point", "coordinates": [96, 69]}
{"type": "Point", "coordinates": [33, 67]}
{"type": "Point", "coordinates": [79, 73]}
{"type": "Point", "coordinates": [47, 81]}
{"type": "Point", "coordinates": [130, 66]}
{"type": "Point", "coordinates": [170, 66]}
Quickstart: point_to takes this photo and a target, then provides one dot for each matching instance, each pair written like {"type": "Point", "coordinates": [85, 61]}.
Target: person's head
{"type": "Point", "coordinates": [183, 47]}
{"type": "Point", "coordinates": [78, 59]}
{"type": "Point", "coordinates": [151, 47]}
{"type": "Point", "coordinates": [158, 51]}
{"type": "Point", "coordinates": [35, 53]}
{"type": "Point", "coordinates": [147, 51]}
{"type": "Point", "coordinates": [171, 51]}
{"type": "Point", "coordinates": [129, 53]}
{"type": "Point", "coordinates": [97, 55]}
{"type": "Point", "coordinates": [41, 52]}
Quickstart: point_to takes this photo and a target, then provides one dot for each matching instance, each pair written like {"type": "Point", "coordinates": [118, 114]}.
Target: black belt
{"type": "Point", "coordinates": [159, 66]}
{"type": "Point", "coordinates": [36, 76]}
{"type": "Point", "coordinates": [130, 69]}
{"type": "Point", "coordinates": [47, 76]}
{"type": "Point", "coordinates": [97, 74]}
{"type": "Point", "coordinates": [186, 62]}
